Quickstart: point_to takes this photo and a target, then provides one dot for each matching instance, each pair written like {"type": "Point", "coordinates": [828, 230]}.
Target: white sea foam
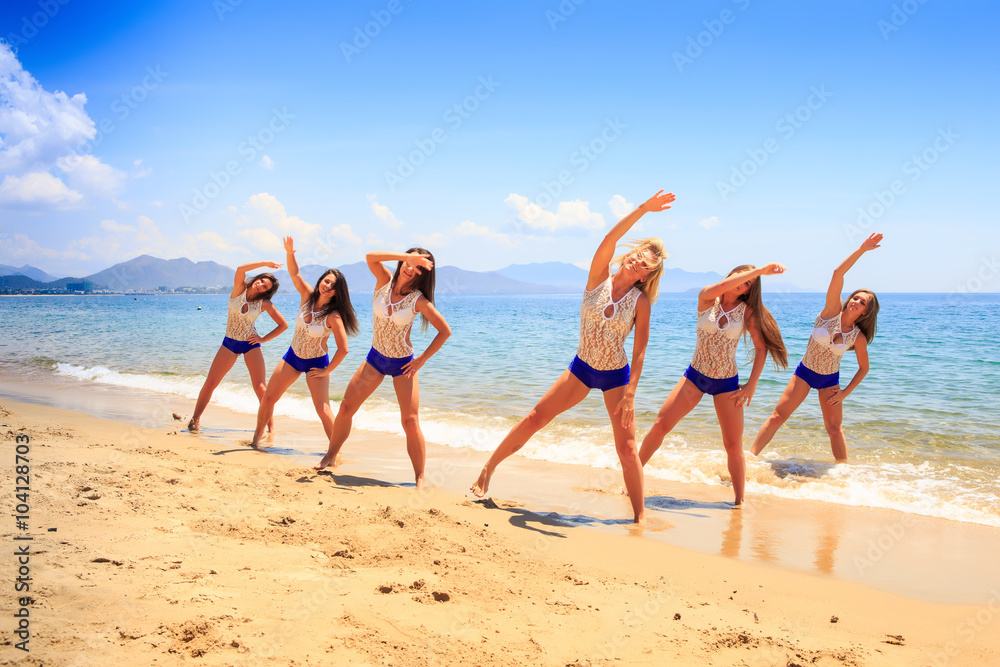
{"type": "Point", "coordinates": [929, 488]}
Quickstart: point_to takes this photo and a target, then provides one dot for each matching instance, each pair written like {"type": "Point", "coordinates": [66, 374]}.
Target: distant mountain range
{"type": "Point", "coordinates": [151, 273]}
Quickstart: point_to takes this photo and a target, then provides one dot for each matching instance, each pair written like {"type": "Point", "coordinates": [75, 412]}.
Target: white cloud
{"type": "Point", "coordinates": [215, 241]}
{"type": "Point", "coordinates": [37, 126]}
{"type": "Point", "coordinates": [38, 189]}
{"type": "Point", "coordinates": [18, 249]}
{"type": "Point", "coordinates": [157, 203]}
{"type": "Point", "coordinates": [345, 234]}
{"type": "Point", "coordinates": [469, 228]}
{"type": "Point", "coordinates": [709, 223]}
{"type": "Point", "coordinates": [87, 173]}
{"type": "Point", "coordinates": [620, 207]}
{"type": "Point", "coordinates": [384, 214]}
{"type": "Point", "coordinates": [139, 171]}
{"type": "Point", "coordinates": [265, 221]}
{"type": "Point", "coordinates": [437, 239]}
{"type": "Point", "coordinates": [569, 215]}
{"type": "Point", "coordinates": [267, 162]}
{"type": "Point", "coordinates": [113, 226]}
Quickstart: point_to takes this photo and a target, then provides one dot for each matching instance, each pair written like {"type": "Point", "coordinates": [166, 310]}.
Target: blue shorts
{"type": "Point", "coordinates": [595, 379]}
{"type": "Point", "coordinates": [711, 386]}
{"type": "Point", "coordinates": [303, 365]}
{"type": "Point", "coordinates": [392, 366]}
{"type": "Point", "coordinates": [238, 346]}
{"type": "Point", "coordinates": [817, 381]}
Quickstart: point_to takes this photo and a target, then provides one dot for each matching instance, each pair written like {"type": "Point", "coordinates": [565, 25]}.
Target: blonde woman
{"type": "Point", "coordinates": [613, 304]}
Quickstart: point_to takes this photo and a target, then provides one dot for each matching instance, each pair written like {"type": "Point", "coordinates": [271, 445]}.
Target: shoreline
{"type": "Point", "coordinates": [158, 538]}
{"type": "Point", "coordinates": [887, 549]}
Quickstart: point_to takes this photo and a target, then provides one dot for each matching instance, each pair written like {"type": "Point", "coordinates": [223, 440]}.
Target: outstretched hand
{"type": "Point", "coordinates": [273, 265]}
{"type": "Point", "coordinates": [659, 202]}
{"type": "Point", "coordinates": [872, 242]}
{"type": "Point", "coordinates": [289, 244]}
{"type": "Point", "coordinates": [774, 269]}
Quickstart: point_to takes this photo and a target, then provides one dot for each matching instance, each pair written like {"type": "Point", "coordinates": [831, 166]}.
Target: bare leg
{"type": "Point", "coordinates": [408, 395]}
{"type": "Point", "coordinates": [319, 389]}
{"type": "Point", "coordinates": [365, 381]}
{"type": "Point", "coordinates": [254, 360]}
{"type": "Point", "coordinates": [281, 379]}
{"type": "Point", "coordinates": [627, 454]}
{"type": "Point", "coordinates": [790, 400]}
{"type": "Point", "coordinates": [833, 420]}
{"type": "Point", "coordinates": [681, 401]}
{"type": "Point", "coordinates": [222, 364]}
{"type": "Point", "coordinates": [731, 422]}
{"type": "Point", "coordinates": [561, 396]}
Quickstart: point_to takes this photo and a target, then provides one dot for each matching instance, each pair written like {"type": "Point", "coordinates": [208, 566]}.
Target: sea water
{"type": "Point", "coordinates": [921, 428]}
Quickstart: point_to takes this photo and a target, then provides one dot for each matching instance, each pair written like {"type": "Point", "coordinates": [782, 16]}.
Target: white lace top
{"type": "Point", "coordinates": [239, 324]}
{"type": "Point", "coordinates": [309, 339]}
{"type": "Point", "coordinates": [822, 354]}
{"type": "Point", "coordinates": [604, 326]}
{"type": "Point", "coordinates": [391, 322]}
{"type": "Point", "coordinates": [718, 335]}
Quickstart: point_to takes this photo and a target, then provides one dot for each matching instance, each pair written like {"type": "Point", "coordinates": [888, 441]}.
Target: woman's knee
{"type": "Point", "coordinates": [834, 428]}
{"type": "Point", "coordinates": [536, 420]}
{"type": "Point", "coordinates": [410, 422]}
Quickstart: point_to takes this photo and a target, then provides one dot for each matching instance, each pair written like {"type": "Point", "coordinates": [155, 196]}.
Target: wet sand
{"type": "Point", "coordinates": [170, 547]}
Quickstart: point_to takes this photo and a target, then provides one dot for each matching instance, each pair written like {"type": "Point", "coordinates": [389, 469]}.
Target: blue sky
{"type": "Point", "coordinates": [500, 133]}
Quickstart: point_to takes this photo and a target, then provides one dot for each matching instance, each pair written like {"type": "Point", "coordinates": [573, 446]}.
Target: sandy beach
{"type": "Point", "coordinates": [152, 546]}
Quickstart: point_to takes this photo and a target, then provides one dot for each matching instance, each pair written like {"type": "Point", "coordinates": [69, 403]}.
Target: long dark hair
{"type": "Point", "coordinates": [263, 295]}
{"type": "Point", "coordinates": [867, 322]}
{"type": "Point", "coordinates": [423, 283]}
{"type": "Point", "coordinates": [765, 321]}
{"type": "Point", "coordinates": [340, 303]}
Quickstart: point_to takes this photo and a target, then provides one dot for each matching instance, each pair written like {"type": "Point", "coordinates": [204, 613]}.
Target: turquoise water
{"type": "Point", "coordinates": [922, 427]}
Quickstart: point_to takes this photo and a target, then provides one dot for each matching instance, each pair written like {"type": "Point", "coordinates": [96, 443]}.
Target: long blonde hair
{"type": "Point", "coordinates": [765, 321]}
{"type": "Point", "coordinates": [651, 285]}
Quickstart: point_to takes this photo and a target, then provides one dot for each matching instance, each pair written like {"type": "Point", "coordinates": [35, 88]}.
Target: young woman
{"type": "Point", "coordinates": [613, 303]}
{"type": "Point", "coordinates": [840, 327]}
{"type": "Point", "coordinates": [397, 300]}
{"type": "Point", "coordinates": [727, 310]}
{"type": "Point", "coordinates": [247, 301]}
{"type": "Point", "coordinates": [324, 311]}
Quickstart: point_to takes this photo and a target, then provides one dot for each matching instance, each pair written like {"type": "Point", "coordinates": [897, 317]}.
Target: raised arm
{"type": "Point", "coordinates": [710, 293]}
{"type": "Point", "coordinates": [293, 270]}
{"type": "Point", "coordinates": [427, 309]}
{"type": "Point", "coordinates": [240, 279]}
{"type": "Point", "coordinates": [382, 275]}
{"type": "Point", "coordinates": [606, 251]}
{"type": "Point", "coordinates": [833, 302]}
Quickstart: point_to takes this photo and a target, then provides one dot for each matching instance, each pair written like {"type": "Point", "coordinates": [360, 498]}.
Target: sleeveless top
{"type": "Point", "coordinates": [718, 335]}
{"type": "Point", "coordinates": [602, 338]}
{"type": "Point", "coordinates": [309, 339]}
{"type": "Point", "coordinates": [239, 325]}
{"type": "Point", "coordinates": [391, 322]}
{"type": "Point", "coordinates": [822, 354]}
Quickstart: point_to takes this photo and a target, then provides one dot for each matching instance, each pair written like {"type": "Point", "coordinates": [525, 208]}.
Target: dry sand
{"type": "Point", "coordinates": [156, 547]}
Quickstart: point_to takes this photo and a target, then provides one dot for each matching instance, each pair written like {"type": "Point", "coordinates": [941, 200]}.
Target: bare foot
{"type": "Point", "coordinates": [420, 482]}
{"type": "Point", "coordinates": [482, 484]}
{"type": "Point", "coordinates": [738, 506]}
{"type": "Point", "coordinates": [270, 427]}
{"type": "Point", "coordinates": [193, 425]}
{"type": "Point", "coordinates": [326, 461]}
